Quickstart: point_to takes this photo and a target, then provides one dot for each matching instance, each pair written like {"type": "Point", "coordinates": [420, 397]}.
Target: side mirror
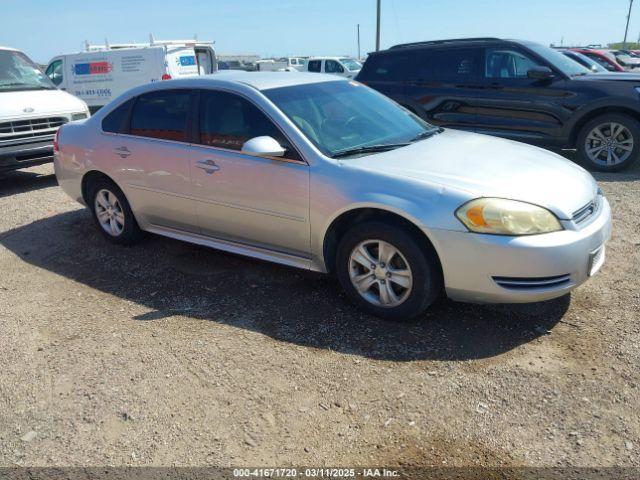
{"type": "Point", "coordinates": [263, 147]}
{"type": "Point", "coordinates": [540, 73]}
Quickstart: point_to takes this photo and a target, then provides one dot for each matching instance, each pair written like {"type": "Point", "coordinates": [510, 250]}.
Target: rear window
{"type": "Point", "coordinates": [380, 68]}
{"type": "Point", "coordinates": [114, 122]}
{"type": "Point", "coordinates": [162, 115]}
{"type": "Point", "coordinates": [446, 66]}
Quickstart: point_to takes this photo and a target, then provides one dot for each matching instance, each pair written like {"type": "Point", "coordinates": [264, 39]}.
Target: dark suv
{"type": "Point", "coordinates": [514, 89]}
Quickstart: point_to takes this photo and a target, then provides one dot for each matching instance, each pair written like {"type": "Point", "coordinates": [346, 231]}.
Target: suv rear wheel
{"type": "Point", "coordinates": [609, 142]}
{"type": "Point", "coordinates": [386, 272]}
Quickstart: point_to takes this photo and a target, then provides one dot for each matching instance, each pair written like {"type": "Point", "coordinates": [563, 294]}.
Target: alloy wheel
{"type": "Point", "coordinates": [380, 273]}
{"type": "Point", "coordinates": [109, 212]}
{"type": "Point", "coordinates": [609, 144]}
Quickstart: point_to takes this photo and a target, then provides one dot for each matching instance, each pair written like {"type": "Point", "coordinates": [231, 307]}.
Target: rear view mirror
{"type": "Point", "coordinates": [540, 73]}
{"type": "Point", "coordinates": [263, 147]}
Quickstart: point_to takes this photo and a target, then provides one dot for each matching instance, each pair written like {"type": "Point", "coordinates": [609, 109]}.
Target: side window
{"type": "Point", "coordinates": [114, 122]}
{"type": "Point", "coordinates": [507, 63]}
{"type": "Point", "coordinates": [162, 114]}
{"type": "Point", "coordinates": [390, 67]}
{"type": "Point", "coordinates": [228, 121]}
{"type": "Point", "coordinates": [54, 72]}
{"type": "Point", "coordinates": [331, 66]}
{"type": "Point", "coordinates": [600, 61]}
{"type": "Point", "coordinates": [457, 66]}
{"type": "Point", "coordinates": [315, 65]}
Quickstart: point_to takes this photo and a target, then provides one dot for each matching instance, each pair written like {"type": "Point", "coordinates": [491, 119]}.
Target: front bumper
{"type": "Point", "coordinates": [500, 269]}
{"type": "Point", "coordinates": [14, 157]}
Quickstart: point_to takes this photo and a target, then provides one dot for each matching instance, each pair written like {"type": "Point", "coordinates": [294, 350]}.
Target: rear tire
{"type": "Point", "coordinates": [112, 213]}
{"type": "Point", "coordinates": [609, 142]}
{"type": "Point", "coordinates": [387, 272]}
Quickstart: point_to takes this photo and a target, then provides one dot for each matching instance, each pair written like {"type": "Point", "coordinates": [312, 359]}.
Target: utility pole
{"type": "Point", "coordinates": [378, 28]}
{"type": "Point", "coordinates": [358, 42]}
{"type": "Point", "coordinates": [624, 42]}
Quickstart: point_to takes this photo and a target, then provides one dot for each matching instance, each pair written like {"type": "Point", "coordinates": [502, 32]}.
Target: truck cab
{"type": "Point", "coordinates": [31, 111]}
{"type": "Point", "coordinates": [343, 66]}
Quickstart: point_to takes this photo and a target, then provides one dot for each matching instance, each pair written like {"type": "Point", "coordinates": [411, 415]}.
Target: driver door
{"type": "Point", "coordinates": [512, 105]}
{"type": "Point", "coordinates": [252, 200]}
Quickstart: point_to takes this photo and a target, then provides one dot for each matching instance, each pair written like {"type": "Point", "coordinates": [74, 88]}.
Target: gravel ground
{"type": "Point", "coordinates": [172, 354]}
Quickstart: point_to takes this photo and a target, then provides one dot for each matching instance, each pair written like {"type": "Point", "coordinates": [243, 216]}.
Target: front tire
{"type": "Point", "coordinates": [387, 272]}
{"type": "Point", "coordinates": [112, 213]}
{"type": "Point", "coordinates": [609, 143]}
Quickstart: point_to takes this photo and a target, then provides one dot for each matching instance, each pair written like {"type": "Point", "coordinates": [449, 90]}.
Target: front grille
{"type": "Point", "coordinates": [583, 213]}
{"type": "Point", "coordinates": [518, 283]}
{"type": "Point", "coordinates": [33, 127]}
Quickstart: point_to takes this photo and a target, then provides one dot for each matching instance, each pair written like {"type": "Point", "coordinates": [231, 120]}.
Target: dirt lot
{"type": "Point", "coordinates": [172, 354]}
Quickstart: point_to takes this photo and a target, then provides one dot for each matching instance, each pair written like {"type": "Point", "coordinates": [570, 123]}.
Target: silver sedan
{"type": "Point", "coordinates": [323, 173]}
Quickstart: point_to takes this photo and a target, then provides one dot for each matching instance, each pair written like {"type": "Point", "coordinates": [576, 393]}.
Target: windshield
{"type": "Point", "coordinates": [344, 115]}
{"type": "Point", "coordinates": [17, 72]}
{"type": "Point", "coordinates": [558, 60]}
{"type": "Point", "coordinates": [596, 67]}
{"type": "Point", "coordinates": [351, 64]}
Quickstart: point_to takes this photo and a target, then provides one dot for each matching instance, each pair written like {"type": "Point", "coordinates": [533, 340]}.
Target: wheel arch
{"type": "Point", "coordinates": [596, 112]}
{"type": "Point", "coordinates": [343, 221]}
{"type": "Point", "coordinates": [89, 177]}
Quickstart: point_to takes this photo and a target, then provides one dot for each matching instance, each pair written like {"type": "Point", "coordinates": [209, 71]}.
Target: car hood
{"type": "Point", "coordinates": [488, 166]}
{"type": "Point", "coordinates": [38, 102]}
{"type": "Point", "coordinates": [616, 77]}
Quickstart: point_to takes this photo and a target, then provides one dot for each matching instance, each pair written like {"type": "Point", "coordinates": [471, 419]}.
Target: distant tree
{"type": "Point", "coordinates": [630, 46]}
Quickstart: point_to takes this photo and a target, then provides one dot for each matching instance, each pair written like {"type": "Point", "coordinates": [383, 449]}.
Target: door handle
{"type": "Point", "coordinates": [209, 166]}
{"type": "Point", "coordinates": [123, 152]}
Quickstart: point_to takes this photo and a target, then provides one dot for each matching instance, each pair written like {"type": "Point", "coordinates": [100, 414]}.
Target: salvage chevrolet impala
{"type": "Point", "coordinates": [323, 173]}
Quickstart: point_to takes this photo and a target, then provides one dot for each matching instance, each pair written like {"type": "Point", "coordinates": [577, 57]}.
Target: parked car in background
{"type": "Point", "coordinates": [295, 63]}
{"type": "Point", "coordinates": [514, 89]}
{"type": "Point", "coordinates": [271, 65]}
{"type": "Point", "coordinates": [602, 57]}
{"type": "Point", "coordinates": [104, 72]}
{"type": "Point", "coordinates": [31, 110]}
{"type": "Point", "coordinates": [627, 60]}
{"type": "Point", "coordinates": [585, 61]}
{"type": "Point", "coordinates": [322, 173]}
{"type": "Point", "coordinates": [344, 66]}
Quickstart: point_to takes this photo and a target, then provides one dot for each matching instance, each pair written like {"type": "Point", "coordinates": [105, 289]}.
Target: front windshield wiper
{"type": "Point", "coordinates": [368, 149]}
{"type": "Point", "coordinates": [427, 134]}
{"type": "Point", "coordinates": [28, 85]}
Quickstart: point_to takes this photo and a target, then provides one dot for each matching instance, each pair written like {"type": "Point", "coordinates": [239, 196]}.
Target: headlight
{"type": "Point", "coordinates": [79, 116]}
{"type": "Point", "coordinates": [506, 217]}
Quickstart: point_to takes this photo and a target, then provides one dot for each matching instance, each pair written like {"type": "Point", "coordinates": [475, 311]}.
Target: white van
{"type": "Point", "coordinates": [31, 110]}
{"type": "Point", "coordinates": [344, 66]}
{"type": "Point", "coordinates": [103, 72]}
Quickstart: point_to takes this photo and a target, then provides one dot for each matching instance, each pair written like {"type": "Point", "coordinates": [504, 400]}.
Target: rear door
{"type": "Point", "coordinates": [511, 105]}
{"type": "Point", "coordinates": [151, 158]}
{"type": "Point", "coordinates": [443, 85]}
{"type": "Point", "coordinates": [182, 62]}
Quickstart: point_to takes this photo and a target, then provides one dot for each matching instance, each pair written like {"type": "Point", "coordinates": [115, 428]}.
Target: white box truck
{"type": "Point", "coordinates": [103, 72]}
{"type": "Point", "coordinates": [31, 111]}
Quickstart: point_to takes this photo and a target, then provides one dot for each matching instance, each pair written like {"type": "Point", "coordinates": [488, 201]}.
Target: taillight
{"type": "Point", "coordinates": [166, 76]}
{"type": "Point", "coordinates": [56, 146]}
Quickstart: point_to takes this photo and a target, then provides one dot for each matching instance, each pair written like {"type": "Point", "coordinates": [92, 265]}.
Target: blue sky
{"type": "Point", "coordinates": [44, 28]}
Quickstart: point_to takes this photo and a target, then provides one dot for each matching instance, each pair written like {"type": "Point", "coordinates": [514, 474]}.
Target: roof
{"type": "Point", "coordinates": [328, 57]}
{"type": "Point", "coordinates": [263, 80]}
{"type": "Point", "coordinates": [9, 48]}
{"type": "Point", "coordinates": [429, 43]}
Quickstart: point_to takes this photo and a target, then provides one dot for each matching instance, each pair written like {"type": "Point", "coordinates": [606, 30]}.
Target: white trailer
{"type": "Point", "coordinates": [103, 72]}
